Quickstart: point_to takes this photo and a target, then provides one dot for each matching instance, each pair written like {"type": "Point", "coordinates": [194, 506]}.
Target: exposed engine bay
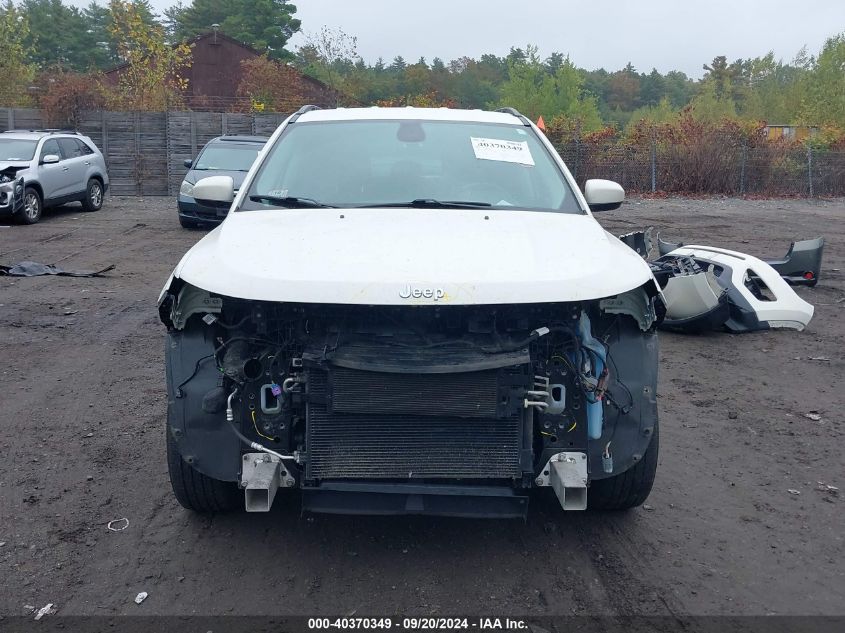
{"type": "Point", "coordinates": [388, 409]}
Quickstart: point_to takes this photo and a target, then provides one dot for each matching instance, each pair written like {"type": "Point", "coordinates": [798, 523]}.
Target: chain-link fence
{"type": "Point", "coordinates": [766, 170]}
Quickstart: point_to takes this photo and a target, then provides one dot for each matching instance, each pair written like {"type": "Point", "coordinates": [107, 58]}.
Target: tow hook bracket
{"type": "Point", "coordinates": [566, 473]}
{"type": "Point", "coordinates": [261, 476]}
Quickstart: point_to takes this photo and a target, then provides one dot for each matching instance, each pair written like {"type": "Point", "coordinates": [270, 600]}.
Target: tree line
{"type": "Point", "coordinates": [47, 46]}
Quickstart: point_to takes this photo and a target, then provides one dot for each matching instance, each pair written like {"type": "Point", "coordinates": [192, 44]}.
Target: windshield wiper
{"type": "Point", "coordinates": [291, 202]}
{"type": "Point", "coordinates": [219, 169]}
{"type": "Point", "coordinates": [431, 203]}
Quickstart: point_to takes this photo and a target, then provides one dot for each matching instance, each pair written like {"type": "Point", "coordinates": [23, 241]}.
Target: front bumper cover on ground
{"type": "Point", "coordinates": [708, 288]}
{"type": "Point", "coordinates": [759, 299]}
{"type": "Point", "coordinates": [801, 266]}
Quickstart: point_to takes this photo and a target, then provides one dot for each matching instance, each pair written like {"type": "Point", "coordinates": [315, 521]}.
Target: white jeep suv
{"type": "Point", "coordinates": [411, 311]}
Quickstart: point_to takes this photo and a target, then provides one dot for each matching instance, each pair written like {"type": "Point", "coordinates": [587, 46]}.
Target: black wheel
{"type": "Point", "coordinates": [631, 488]}
{"type": "Point", "coordinates": [32, 206]}
{"type": "Point", "coordinates": [197, 492]}
{"type": "Point", "coordinates": [93, 200]}
{"type": "Point", "coordinates": [187, 224]}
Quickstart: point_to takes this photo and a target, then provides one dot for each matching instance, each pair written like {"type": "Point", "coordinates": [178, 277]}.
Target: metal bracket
{"type": "Point", "coordinates": [566, 473]}
{"type": "Point", "coordinates": [262, 475]}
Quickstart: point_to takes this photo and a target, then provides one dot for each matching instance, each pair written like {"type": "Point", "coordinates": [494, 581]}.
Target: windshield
{"type": "Point", "coordinates": [17, 149]}
{"type": "Point", "coordinates": [226, 156]}
{"type": "Point", "coordinates": [395, 163]}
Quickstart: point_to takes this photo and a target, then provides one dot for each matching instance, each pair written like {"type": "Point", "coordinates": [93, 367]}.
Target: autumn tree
{"type": "Point", "coordinates": [16, 72]}
{"type": "Point", "coordinates": [329, 55]}
{"type": "Point", "coordinates": [270, 85]}
{"type": "Point", "coordinates": [64, 97]}
{"type": "Point", "coordinates": [151, 78]}
{"type": "Point", "coordinates": [623, 89]}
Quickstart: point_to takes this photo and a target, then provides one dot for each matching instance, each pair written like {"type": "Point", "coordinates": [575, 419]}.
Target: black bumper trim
{"type": "Point", "coordinates": [418, 499]}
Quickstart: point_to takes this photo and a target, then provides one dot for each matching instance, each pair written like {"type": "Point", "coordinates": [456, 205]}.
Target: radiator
{"type": "Point", "coordinates": [371, 425]}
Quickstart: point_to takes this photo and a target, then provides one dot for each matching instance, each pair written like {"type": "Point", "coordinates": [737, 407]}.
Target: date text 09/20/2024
{"type": "Point", "coordinates": [418, 624]}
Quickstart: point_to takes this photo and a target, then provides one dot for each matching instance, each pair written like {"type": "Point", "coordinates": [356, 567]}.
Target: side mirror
{"type": "Point", "coordinates": [216, 191]}
{"type": "Point", "coordinates": [188, 163]}
{"type": "Point", "coordinates": [604, 195]}
{"type": "Point", "coordinates": [50, 159]}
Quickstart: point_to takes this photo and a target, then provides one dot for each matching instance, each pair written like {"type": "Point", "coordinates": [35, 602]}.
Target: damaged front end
{"type": "Point", "coordinates": [455, 410]}
{"type": "Point", "coordinates": [11, 191]}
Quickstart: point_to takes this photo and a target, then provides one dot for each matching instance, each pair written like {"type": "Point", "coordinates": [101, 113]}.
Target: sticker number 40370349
{"type": "Point", "coordinates": [502, 151]}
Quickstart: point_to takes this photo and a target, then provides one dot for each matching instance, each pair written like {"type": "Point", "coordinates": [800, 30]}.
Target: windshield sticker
{"type": "Point", "coordinates": [502, 151]}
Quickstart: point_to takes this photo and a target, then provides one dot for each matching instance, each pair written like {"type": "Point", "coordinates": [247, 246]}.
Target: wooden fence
{"type": "Point", "coordinates": [145, 151]}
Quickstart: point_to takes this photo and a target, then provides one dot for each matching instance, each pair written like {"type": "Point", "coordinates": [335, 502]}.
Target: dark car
{"type": "Point", "coordinates": [222, 156]}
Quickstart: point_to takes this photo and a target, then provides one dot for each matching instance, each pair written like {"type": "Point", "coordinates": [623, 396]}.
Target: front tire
{"type": "Point", "coordinates": [197, 492]}
{"type": "Point", "coordinates": [93, 200]}
{"type": "Point", "coordinates": [188, 224]}
{"type": "Point", "coordinates": [631, 488]}
{"type": "Point", "coordinates": [32, 206]}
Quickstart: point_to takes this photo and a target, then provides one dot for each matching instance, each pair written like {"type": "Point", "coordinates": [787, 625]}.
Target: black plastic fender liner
{"type": "Point", "coordinates": [204, 440]}
{"type": "Point", "coordinates": [632, 363]}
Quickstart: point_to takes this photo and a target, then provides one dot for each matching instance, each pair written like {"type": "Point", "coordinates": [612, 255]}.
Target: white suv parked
{"type": "Point", "coordinates": [411, 311]}
{"type": "Point", "coordinates": [47, 168]}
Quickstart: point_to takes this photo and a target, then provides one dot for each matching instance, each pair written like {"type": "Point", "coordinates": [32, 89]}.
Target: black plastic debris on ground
{"type": "Point", "coordinates": [35, 269]}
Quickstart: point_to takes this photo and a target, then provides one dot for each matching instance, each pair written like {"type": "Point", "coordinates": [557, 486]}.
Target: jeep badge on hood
{"type": "Point", "coordinates": [411, 292]}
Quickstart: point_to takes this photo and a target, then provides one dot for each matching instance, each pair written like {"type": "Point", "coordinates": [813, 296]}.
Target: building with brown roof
{"type": "Point", "coordinates": [215, 73]}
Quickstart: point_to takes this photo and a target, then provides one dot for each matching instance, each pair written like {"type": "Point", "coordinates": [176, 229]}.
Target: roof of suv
{"type": "Point", "coordinates": [240, 139]}
{"type": "Point", "coordinates": [427, 114]}
{"type": "Point", "coordinates": [38, 134]}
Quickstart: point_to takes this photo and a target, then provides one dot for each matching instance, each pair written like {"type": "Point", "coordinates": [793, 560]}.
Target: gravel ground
{"type": "Point", "coordinates": [82, 406]}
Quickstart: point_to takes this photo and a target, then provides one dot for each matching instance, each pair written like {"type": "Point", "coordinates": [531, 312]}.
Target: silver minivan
{"type": "Point", "coordinates": [47, 168]}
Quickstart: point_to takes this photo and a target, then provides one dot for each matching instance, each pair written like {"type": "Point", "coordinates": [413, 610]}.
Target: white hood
{"type": "Point", "coordinates": [437, 256]}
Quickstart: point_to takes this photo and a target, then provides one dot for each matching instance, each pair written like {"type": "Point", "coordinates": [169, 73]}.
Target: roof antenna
{"type": "Point", "coordinates": [215, 27]}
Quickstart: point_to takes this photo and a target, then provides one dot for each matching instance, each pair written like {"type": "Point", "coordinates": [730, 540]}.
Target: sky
{"type": "Point", "coordinates": [663, 34]}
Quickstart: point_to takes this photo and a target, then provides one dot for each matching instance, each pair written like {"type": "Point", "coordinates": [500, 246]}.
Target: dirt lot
{"type": "Point", "coordinates": [82, 407]}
